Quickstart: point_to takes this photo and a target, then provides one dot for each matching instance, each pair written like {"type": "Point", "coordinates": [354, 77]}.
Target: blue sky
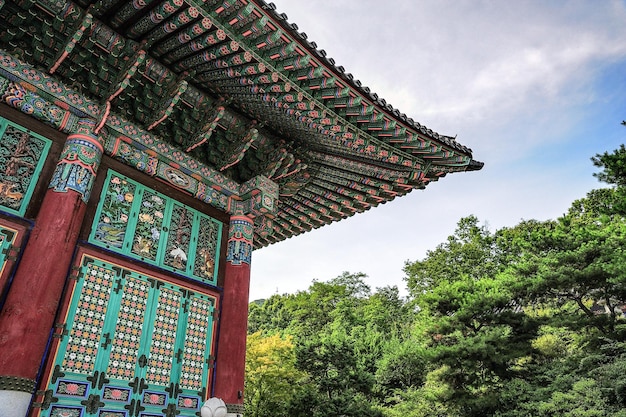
{"type": "Point", "coordinates": [535, 88]}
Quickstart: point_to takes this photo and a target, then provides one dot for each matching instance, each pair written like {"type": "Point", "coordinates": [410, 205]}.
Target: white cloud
{"type": "Point", "coordinates": [518, 81]}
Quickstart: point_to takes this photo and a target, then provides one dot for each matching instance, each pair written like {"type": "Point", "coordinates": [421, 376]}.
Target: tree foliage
{"type": "Point", "coordinates": [271, 375]}
{"type": "Point", "coordinates": [523, 321]}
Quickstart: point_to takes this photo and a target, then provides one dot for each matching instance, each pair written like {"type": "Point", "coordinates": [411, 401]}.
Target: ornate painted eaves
{"type": "Point", "coordinates": [230, 92]}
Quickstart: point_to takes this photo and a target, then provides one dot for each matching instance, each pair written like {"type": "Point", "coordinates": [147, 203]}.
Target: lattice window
{"type": "Point", "coordinates": [139, 222]}
{"type": "Point", "coordinates": [22, 156]}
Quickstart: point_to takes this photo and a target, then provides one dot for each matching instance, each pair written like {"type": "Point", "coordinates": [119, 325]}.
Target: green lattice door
{"type": "Point", "coordinates": [134, 346]}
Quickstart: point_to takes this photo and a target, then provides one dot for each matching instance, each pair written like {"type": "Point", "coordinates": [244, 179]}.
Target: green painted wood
{"type": "Point", "coordinates": [134, 346]}
{"type": "Point", "coordinates": [136, 221]}
{"type": "Point", "coordinates": [22, 157]}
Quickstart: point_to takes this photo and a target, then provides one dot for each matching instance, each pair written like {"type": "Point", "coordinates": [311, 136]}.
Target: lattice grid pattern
{"type": "Point", "coordinates": [89, 318]}
{"type": "Point", "coordinates": [164, 337]}
{"type": "Point", "coordinates": [128, 331]}
{"type": "Point", "coordinates": [200, 311]}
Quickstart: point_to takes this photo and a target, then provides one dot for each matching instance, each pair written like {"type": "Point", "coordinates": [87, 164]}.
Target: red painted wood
{"type": "Point", "coordinates": [231, 346]}
{"type": "Point", "coordinates": [28, 314]}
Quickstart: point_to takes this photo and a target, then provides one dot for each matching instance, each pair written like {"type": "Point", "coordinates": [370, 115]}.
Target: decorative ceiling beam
{"type": "Point", "coordinates": [337, 186]}
{"type": "Point", "coordinates": [207, 130]}
{"type": "Point", "coordinates": [229, 73]}
{"type": "Point", "coordinates": [342, 199]}
{"type": "Point", "coordinates": [330, 210]}
{"type": "Point", "coordinates": [305, 212]}
{"type": "Point", "coordinates": [231, 14]}
{"type": "Point", "coordinates": [252, 28]}
{"type": "Point", "coordinates": [284, 228]}
{"type": "Point", "coordinates": [127, 11]}
{"type": "Point", "coordinates": [286, 162]}
{"type": "Point", "coordinates": [263, 38]}
{"type": "Point", "coordinates": [167, 105]}
{"type": "Point", "coordinates": [274, 162]}
{"type": "Point", "coordinates": [157, 15]}
{"type": "Point", "coordinates": [292, 169]}
{"type": "Point", "coordinates": [306, 73]}
{"type": "Point", "coordinates": [360, 168]}
{"type": "Point", "coordinates": [196, 45]}
{"type": "Point", "coordinates": [204, 54]}
{"type": "Point", "coordinates": [172, 25]}
{"type": "Point", "coordinates": [235, 154]}
{"type": "Point", "coordinates": [296, 224]}
{"type": "Point", "coordinates": [116, 88]}
{"type": "Point", "coordinates": [360, 183]}
{"type": "Point", "coordinates": [71, 43]}
{"type": "Point", "coordinates": [201, 65]}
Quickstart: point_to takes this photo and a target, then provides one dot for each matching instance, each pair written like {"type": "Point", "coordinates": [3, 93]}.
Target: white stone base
{"type": "Point", "coordinates": [14, 403]}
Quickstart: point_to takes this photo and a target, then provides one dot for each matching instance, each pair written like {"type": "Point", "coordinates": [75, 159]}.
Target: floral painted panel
{"type": "Point", "coordinates": [139, 222]}
{"type": "Point", "coordinates": [114, 214]}
{"type": "Point", "coordinates": [179, 238]}
{"type": "Point", "coordinates": [149, 226]}
{"type": "Point", "coordinates": [22, 156]}
{"type": "Point", "coordinates": [207, 250]}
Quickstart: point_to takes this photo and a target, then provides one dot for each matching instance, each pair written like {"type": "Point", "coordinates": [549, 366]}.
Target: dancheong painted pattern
{"type": "Point", "coordinates": [223, 92]}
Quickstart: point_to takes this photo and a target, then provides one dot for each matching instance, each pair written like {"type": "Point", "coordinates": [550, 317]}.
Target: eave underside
{"type": "Point", "coordinates": [235, 87]}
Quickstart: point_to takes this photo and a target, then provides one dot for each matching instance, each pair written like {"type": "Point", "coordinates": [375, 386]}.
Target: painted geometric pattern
{"type": "Point", "coordinates": [72, 388]}
{"type": "Point", "coordinates": [154, 334]}
{"type": "Point", "coordinates": [65, 412]}
{"type": "Point", "coordinates": [126, 342]}
{"type": "Point", "coordinates": [22, 155]}
{"type": "Point", "coordinates": [84, 337]}
{"type": "Point", "coordinates": [139, 222]}
{"type": "Point", "coordinates": [196, 343]}
{"type": "Point", "coordinates": [116, 394]}
{"type": "Point", "coordinates": [163, 337]}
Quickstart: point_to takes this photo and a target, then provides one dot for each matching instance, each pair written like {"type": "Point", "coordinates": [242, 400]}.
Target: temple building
{"type": "Point", "coordinates": [147, 147]}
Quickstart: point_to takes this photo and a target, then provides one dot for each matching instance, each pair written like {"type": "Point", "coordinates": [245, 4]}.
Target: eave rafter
{"type": "Point", "coordinates": [288, 57]}
{"type": "Point", "coordinates": [237, 151]}
{"type": "Point", "coordinates": [235, 87]}
{"type": "Point", "coordinates": [330, 211]}
{"type": "Point", "coordinates": [304, 211]}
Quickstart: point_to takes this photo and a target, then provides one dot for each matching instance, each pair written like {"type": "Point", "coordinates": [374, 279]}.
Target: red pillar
{"type": "Point", "coordinates": [28, 314]}
{"type": "Point", "coordinates": [231, 348]}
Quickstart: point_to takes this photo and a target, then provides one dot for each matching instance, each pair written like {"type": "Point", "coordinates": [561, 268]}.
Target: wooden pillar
{"type": "Point", "coordinates": [31, 305]}
{"type": "Point", "coordinates": [231, 347]}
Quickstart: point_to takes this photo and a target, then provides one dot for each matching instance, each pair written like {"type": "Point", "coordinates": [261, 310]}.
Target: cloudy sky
{"type": "Point", "coordinates": [535, 88]}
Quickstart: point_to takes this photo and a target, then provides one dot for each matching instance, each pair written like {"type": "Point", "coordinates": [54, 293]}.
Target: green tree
{"type": "Point", "coordinates": [476, 329]}
{"type": "Point", "coordinates": [613, 165]}
{"type": "Point", "coordinates": [578, 259]}
{"type": "Point", "coordinates": [271, 375]}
